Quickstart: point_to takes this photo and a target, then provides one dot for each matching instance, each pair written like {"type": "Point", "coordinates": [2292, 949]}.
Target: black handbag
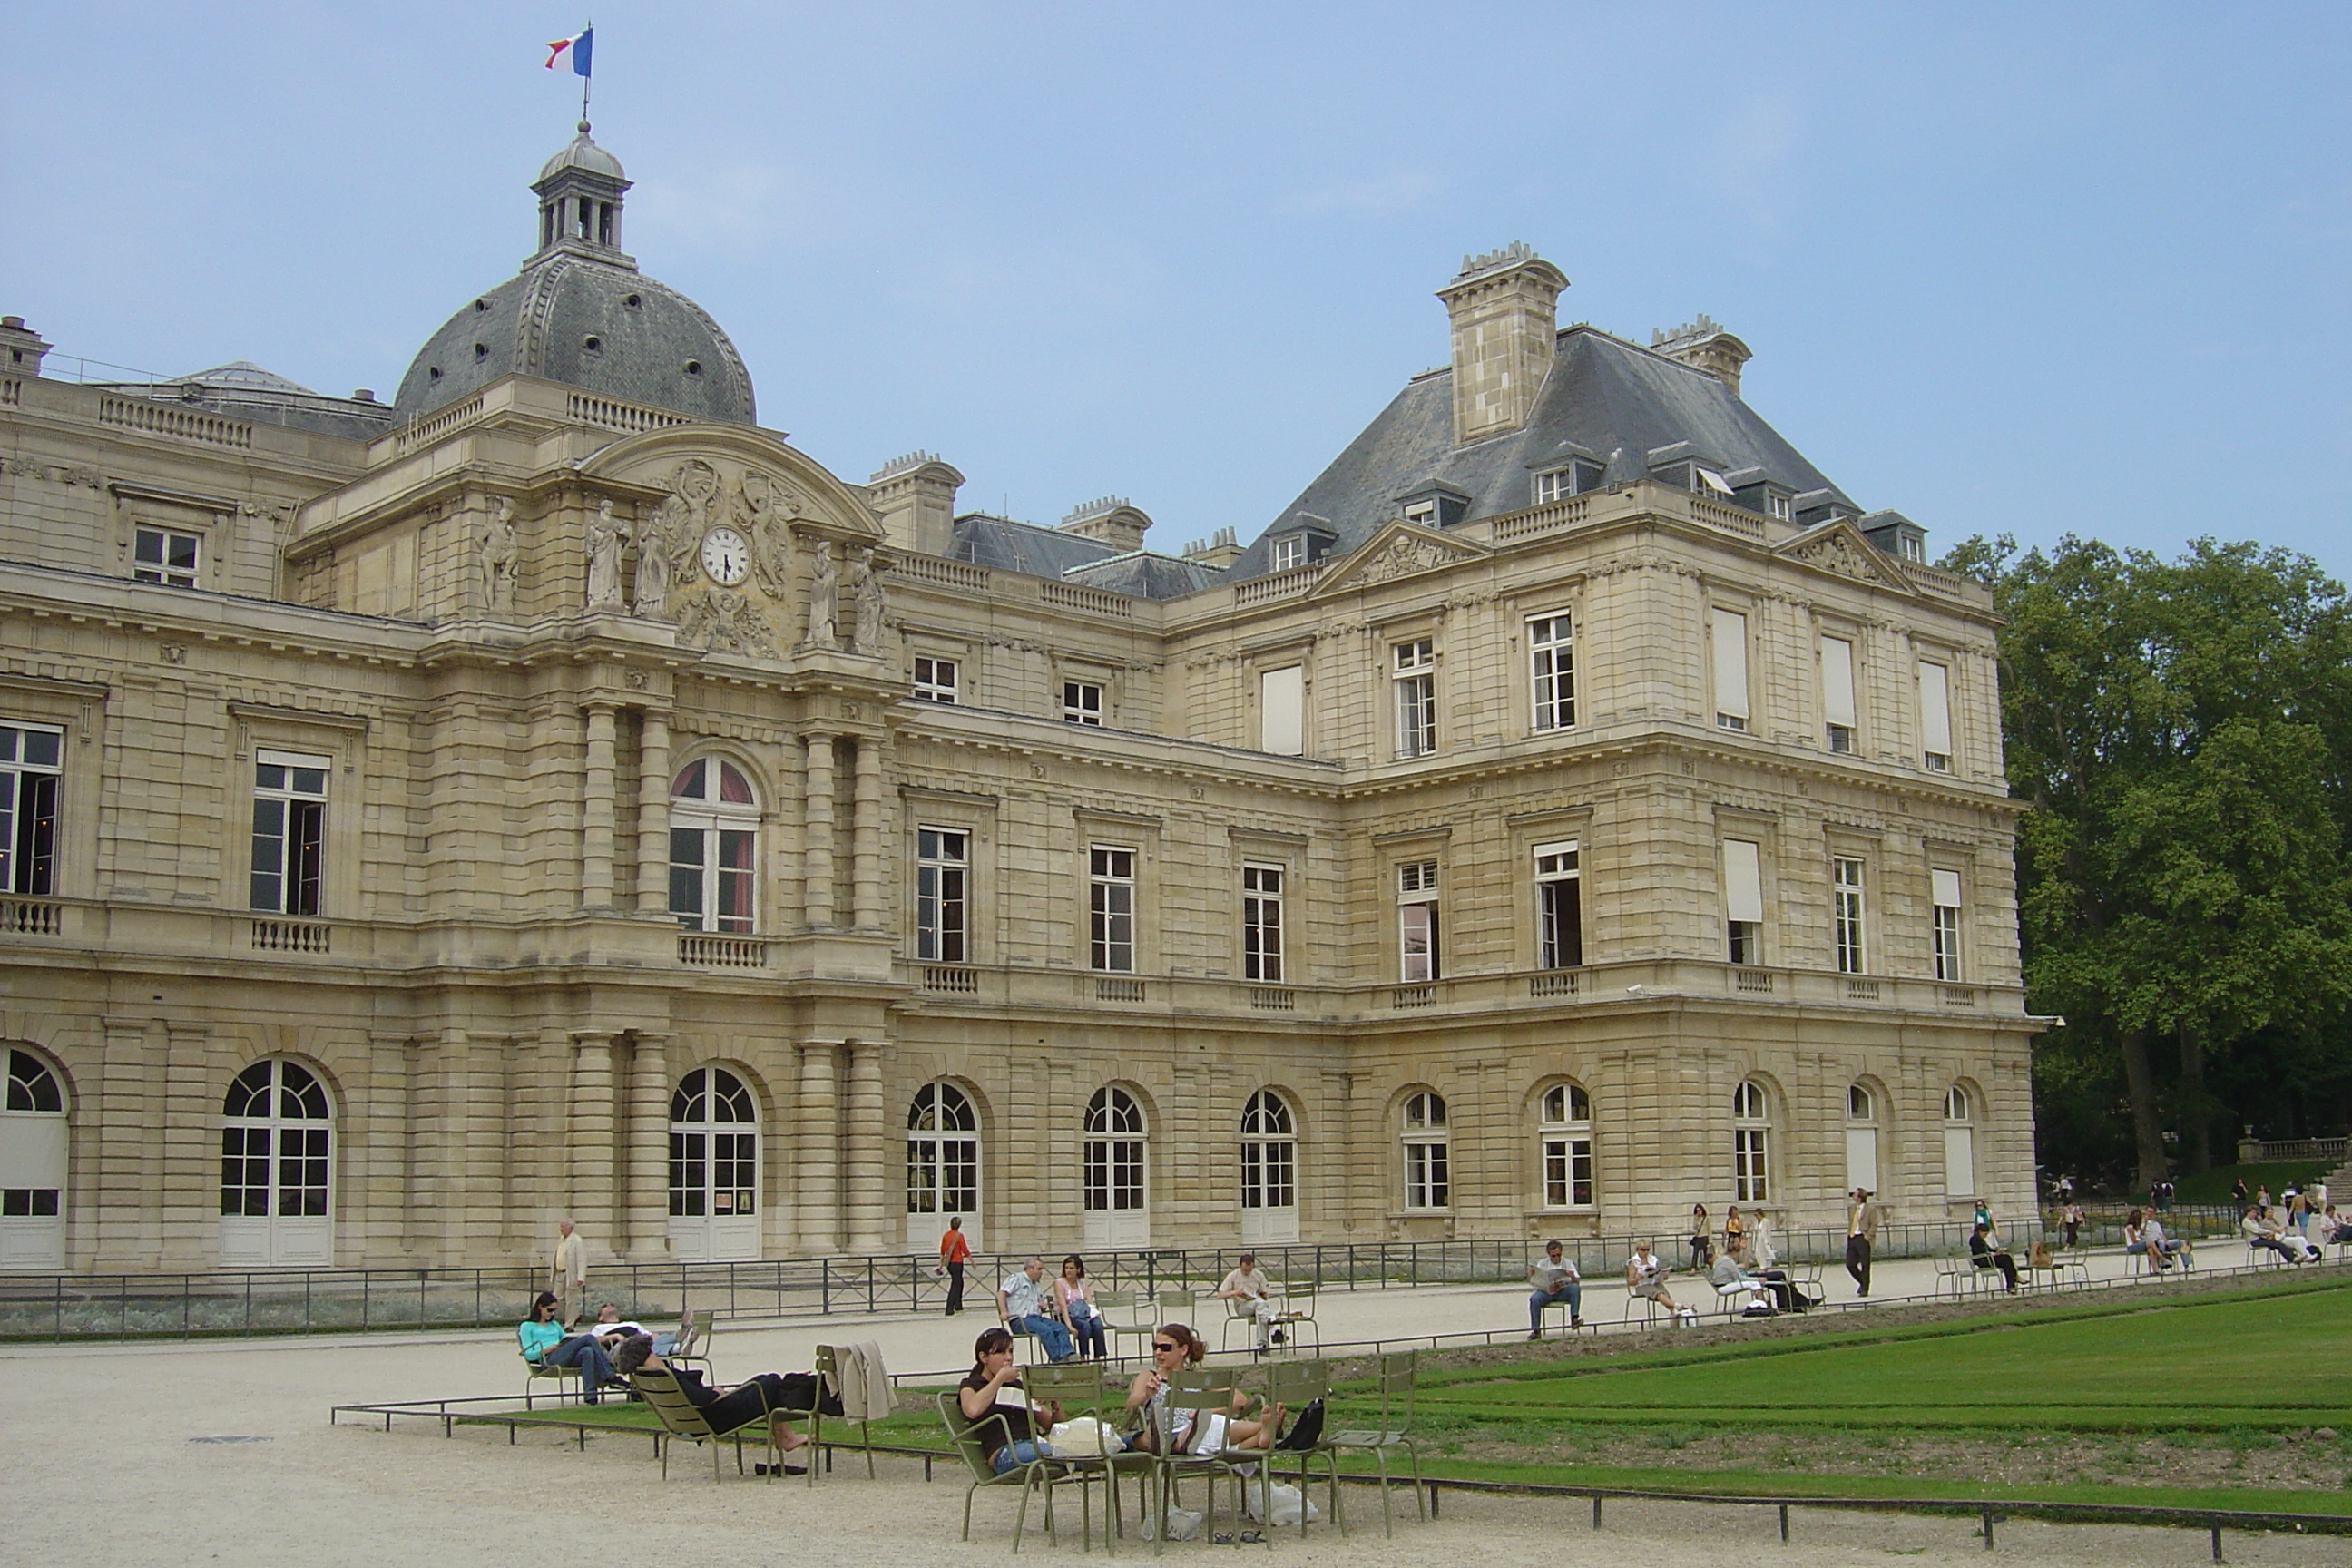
{"type": "Point", "coordinates": [1306, 1431]}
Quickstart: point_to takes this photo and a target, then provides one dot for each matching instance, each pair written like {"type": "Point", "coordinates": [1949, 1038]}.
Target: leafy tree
{"type": "Point", "coordinates": [2179, 731]}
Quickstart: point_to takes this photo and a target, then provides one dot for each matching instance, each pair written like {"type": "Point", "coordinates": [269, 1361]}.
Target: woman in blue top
{"type": "Point", "coordinates": [544, 1344]}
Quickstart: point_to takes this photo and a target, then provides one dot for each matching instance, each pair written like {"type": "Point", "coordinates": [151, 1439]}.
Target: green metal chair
{"type": "Point", "coordinates": [828, 1376]}
{"type": "Point", "coordinates": [1394, 1383]}
{"type": "Point", "coordinates": [1123, 1314]}
{"type": "Point", "coordinates": [1206, 1392]}
{"type": "Point", "coordinates": [1037, 1476]}
{"type": "Point", "coordinates": [1082, 1389]}
{"type": "Point", "coordinates": [681, 1417]}
{"type": "Point", "coordinates": [1294, 1386]}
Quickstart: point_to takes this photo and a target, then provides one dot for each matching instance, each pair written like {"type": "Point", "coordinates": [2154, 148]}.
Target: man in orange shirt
{"type": "Point", "coordinates": [953, 1251]}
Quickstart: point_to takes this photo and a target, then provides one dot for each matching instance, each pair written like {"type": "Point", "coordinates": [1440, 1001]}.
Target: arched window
{"type": "Point", "coordinates": [1752, 1137]}
{"type": "Point", "coordinates": [1269, 1170]}
{"type": "Point", "coordinates": [1861, 1137]}
{"type": "Point", "coordinates": [1428, 1167]}
{"type": "Point", "coordinates": [1959, 1144]}
{"type": "Point", "coordinates": [1118, 1207]}
{"type": "Point", "coordinates": [277, 1169]}
{"type": "Point", "coordinates": [714, 848]}
{"type": "Point", "coordinates": [31, 1167]}
{"type": "Point", "coordinates": [1564, 1129]}
{"type": "Point", "coordinates": [942, 1164]}
{"type": "Point", "coordinates": [714, 1168]}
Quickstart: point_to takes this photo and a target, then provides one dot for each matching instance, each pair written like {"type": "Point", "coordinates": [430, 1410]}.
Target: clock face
{"type": "Point", "coordinates": [726, 557]}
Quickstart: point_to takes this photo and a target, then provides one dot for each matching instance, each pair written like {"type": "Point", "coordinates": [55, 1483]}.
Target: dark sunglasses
{"type": "Point", "coordinates": [1161, 1345]}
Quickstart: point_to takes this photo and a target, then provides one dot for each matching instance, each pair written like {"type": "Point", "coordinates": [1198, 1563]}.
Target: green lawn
{"type": "Point", "coordinates": [2213, 1186]}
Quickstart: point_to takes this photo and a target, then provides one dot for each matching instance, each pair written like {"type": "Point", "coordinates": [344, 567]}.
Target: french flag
{"type": "Point", "coordinates": [580, 48]}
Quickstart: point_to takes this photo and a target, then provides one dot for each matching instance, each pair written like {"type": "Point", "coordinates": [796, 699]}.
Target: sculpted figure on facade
{"type": "Point", "coordinates": [1403, 558]}
{"type": "Point", "coordinates": [652, 597]}
{"type": "Point", "coordinates": [606, 534]}
{"type": "Point", "coordinates": [764, 508]}
{"type": "Point", "coordinates": [726, 622]}
{"type": "Point", "coordinates": [823, 599]}
{"type": "Point", "coordinates": [865, 603]}
{"type": "Point", "coordinates": [494, 557]}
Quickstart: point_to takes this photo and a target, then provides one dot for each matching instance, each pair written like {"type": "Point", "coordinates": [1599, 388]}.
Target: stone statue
{"type": "Point", "coordinates": [605, 536]}
{"type": "Point", "coordinates": [825, 583]}
{"type": "Point", "coordinates": [653, 566]}
{"type": "Point", "coordinates": [865, 603]}
{"type": "Point", "coordinates": [496, 558]}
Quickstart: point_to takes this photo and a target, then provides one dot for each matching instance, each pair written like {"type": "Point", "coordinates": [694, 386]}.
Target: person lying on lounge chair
{"type": "Point", "coordinates": [777, 1395]}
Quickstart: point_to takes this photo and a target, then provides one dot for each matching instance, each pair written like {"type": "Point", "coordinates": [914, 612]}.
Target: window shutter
{"type": "Point", "coordinates": [1947, 887]}
{"type": "Point", "coordinates": [1282, 710]}
{"type": "Point", "coordinates": [1935, 709]}
{"type": "Point", "coordinates": [1731, 663]}
{"type": "Point", "coordinates": [1837, 681]}
{"type": "Point", "coordinates": [1743, 884]}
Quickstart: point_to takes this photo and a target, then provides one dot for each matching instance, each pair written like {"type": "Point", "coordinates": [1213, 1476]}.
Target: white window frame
{"type": "Point", "coordinates": [1743, 900]}
{"type": "Point", "coordinates": [1417, 954]}
{"type": "Point", "coordinates": [1959, 1144]}
{"type": "Point", "coordinates": [1727, 634]}
{"type": "Point", "coordinates": [1559, 876]}
{"type": "Point", "coordinates": [1082, 702]}
{"type": "Point", "coordinates": [1564, 1140]}
{"type": "Point", "coordinates": [1706, 481]}
{"type": "Point", "coordinates": [1837, 694]}
{"type": "Point", "coordinates": [943, 1159]}
{"type": "Point", "coordinates": [1261, 943]}
{"type": "Point", "coordinates": [1847, 909]}
{"type": "Point", "coordinates": [936, 679]}
{"type": "Point", "coordinates": [943, 894]}
{"type": "Point", "coordinates": [713, 825]}
{"type": "Point", "coordinates": [31, 774]}
{"type": "Point", "coordinates": [1751, 1143]}
{"type": "Point", "coordinates": [1269, 1151]}
{"type": "Point", "coordinates": [1422, 514]}
{"type": "Point", "coordinates": [1425, 1147]}
{"type": "Point", "coordinates": [160, 567]}
{"type": "Point", "coordinates": [1287, 553]}
{"type": "Point", "coordinates": [1110, 908]}
{"type": "Point", "coordinates": [1778, 507]}
{"type": "Point", "coordinates": [300, 832]}
{"type": "Point", "coordinates": [1555, 484]}
{"type": "Point", "coordinates": [1944, 923]}
{"type": "Point", "coordinates": [1935, 716]}
{"type": "Point", "coordinates": [1412, 676]}
{"type": "Point", "coordinates": [1551, 669]}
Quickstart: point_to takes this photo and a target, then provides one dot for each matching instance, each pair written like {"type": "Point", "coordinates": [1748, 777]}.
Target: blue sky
{"type": "Point", "coordinates": [2036, 269]}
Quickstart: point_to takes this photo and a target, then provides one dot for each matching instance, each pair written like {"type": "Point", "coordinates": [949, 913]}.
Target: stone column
{"type": "Point", "coordinates": [647, 1157]}
{"type": "Point", "coordinates": [865, 836]}
{"type": "Point", "coordinates": [816, 837]}
{"type": "Point", "coordinates": [117, 1217]}
{"type": "Point", "coordinates": [653, 816]}
{"type": "Point", "coordinates": [866, 1155]}
{"type": "Point", "coordinates": [596, 810]}
{"type": "Point", "coordinates": [816, 1133]}
{"type": "Point", "coordinates": [589, 1139]}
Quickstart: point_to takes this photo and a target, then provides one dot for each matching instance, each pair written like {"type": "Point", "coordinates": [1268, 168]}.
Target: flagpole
{"type": "Point", "coordinates": [587, 81]}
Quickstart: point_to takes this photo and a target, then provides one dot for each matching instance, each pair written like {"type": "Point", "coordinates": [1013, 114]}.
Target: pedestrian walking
{"type": "Point", "coordinates": [955, 1251]}
{"type": "Point", "coordinates": [1861, 1233]}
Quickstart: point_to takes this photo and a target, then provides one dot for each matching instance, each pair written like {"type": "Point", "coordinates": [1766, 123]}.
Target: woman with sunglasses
{"type": "Point", "coordinates": [1174, 1347]}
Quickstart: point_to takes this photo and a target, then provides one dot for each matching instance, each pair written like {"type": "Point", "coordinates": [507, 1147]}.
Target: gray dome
{"type": "Point", "coordinates": [591, 324]}
{"type": "Point", "coordinates": [583, 153]}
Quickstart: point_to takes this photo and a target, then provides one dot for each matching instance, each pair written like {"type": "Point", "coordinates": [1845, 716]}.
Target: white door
{"type": "Point", "coordinates": [1959, 1164]}
{"type": "Point", "coordinates": [32, 1167]}
{"type": "Point", "coordinates": [714, 1169]}
{"type": "Point", "coordinates": [277, 1169]}
{"type": "Point", "coordinates": [942, 1167]}
{"type": "Point", "coordinates": [1118, 1207]}
{"type": "Point", "coordinates": [1861, 1158]}
{"type": "Point", "coordinates": [1269, 1172]}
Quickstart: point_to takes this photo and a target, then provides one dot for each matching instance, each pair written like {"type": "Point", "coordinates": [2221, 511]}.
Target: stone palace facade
{"type": "Point", "coordinates": [550, 792]}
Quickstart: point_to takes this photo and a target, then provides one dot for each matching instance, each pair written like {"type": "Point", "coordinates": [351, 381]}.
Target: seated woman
{"type": "Point", "coordinates": [2264, 1230]}
{"type": "Point", "coordinates": [1985, 1254]}
{"type": "Point", "coordinates": [2135, 1236]}
{"type": "Point", "coordinates": [1006, 1427]}
{"type": "Point", "coordinates": [1786, 1297]}
{"type": "Point", "coordinates": [1645, 1276]}
{"type": "Point", "coordinates": [1174, 1347]}
{"type": "Point", "coordinates": [1730, 1279]}
{"type": "Point", "coordinates": [772, 1394]}
{"type": "Point", "coordinates": [2164, 1250]}
{"type": "Point", "coordinates": [1074, 1293]}
{"type": "Point", "coordinates": [544, 1343]}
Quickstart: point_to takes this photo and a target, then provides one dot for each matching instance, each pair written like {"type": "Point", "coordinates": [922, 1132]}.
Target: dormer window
{"type": "Point", "coordinates": [1434, 505]}
{"type": "Point", "coordinates": [1423, 513]}
{"type": "Point", "coordinates": [1778, 505]}
{"type": "Point", "coordinates": [1566, 481]}
{"type": "Point", "coordinates": [1706, 481]}
{"type": "Point", "coordinates": [1289, 551]}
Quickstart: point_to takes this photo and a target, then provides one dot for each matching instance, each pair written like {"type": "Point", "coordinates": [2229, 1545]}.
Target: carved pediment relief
{"type": "Point", "coordinates": [1838, 547]}
{"type": "Point", "coordinates": [1398, 549]}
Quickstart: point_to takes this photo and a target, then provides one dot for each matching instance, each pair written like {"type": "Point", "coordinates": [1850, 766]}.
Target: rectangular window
{"type": "Point", "coordinates": [289, 831]}
{"type": "Point", "coordinates": [1707, 483]}
{"type": "Point", "coordinates": [942, 869]}
{"type": "Point", "coordinates": [1261, 923]}
{"type": "Point", "coordinates": [1568, 1171]}
{"type": "Point", "coordinates": [1837, 692]}
{"type": "Point", "coordinates": [1428, 1178]}
{"type": "Point", "coordinates": [1934, 717]}
{"type": "Point", "coordinates": [1743, 900]}
{"type": "Point", "coordinates": [1288, 551]}
{"type": "Point", "coordinates": [1417, 920]}
{"type": "Point", "coordinates": [1111, 909]}
{"type": "Point", "coordinates": [1423, 513]}
{"type": "Point", "coordinates": [1559, 906]}
{"type": "Point", "coordinates": [1731, 629]}
{"type": "Point", "coordinates": [1557, 485]}
{"type": "Point", "coordinates": [1778, 506]}
{"type": "Point", "coordinates": [165, 556]}
{"type": "Point", "coordinates": [1081, 702]}
{"type": "Point", "coordinates": [1415, 674]}
{"type": "Point", "coordinates": [1947, 908]}
{"type": "Point", "coordinates": [1551, 655]}
{"type": "Point", "coordinates": [1282, 710]}
{"type": "Point", "coordinates": [1750, 1183]}
{"type": "Point", "coordinates": [935, 679]}
{"type": "Point", "coordinates": [31, 759]}
{"type": "Point", "coordinates": [1845, 893]}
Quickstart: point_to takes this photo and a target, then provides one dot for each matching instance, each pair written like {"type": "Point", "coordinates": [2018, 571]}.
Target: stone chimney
{"type": "Point", "coordinates": [914, 497]}
{"type": "Point", "coordinates": [1501, 307]}
{"type": "Point", "coordinates": [1703, 344]}
{"type": "Point", "coordinates": [1218, 551]}
{"type": "Point", "coordinates": [21, 348]}
{"type": "Point", "coordinates": [1111, 520]}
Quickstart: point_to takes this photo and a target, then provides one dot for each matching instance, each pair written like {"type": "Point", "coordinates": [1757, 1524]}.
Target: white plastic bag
{"type": "Point", "coordinates": [1183, 1524]}
{"type": "Point", "coordinates": [1289, 1504]}
{"type": "Point", "coordinates": [1078, 1439]}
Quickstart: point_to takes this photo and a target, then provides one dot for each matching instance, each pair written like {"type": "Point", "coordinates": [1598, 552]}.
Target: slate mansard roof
{"type": "Point", "coordinates": [1605, 400]}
